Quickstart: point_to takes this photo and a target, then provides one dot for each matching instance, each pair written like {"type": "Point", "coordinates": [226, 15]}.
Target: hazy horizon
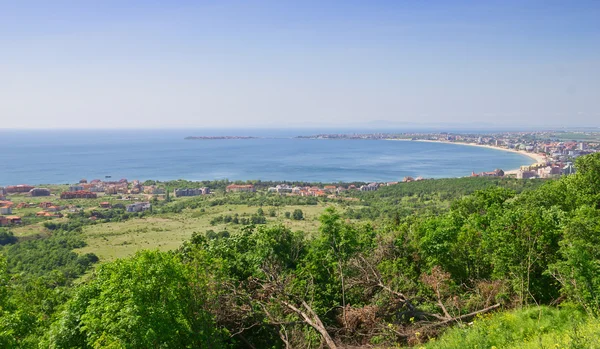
{"type": "Point", "coordinates": [271, 64]}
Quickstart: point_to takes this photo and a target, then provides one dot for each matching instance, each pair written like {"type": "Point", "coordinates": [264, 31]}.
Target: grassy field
{"type": "Point", "coordinates": [528, 328]}
{"type": "Point", "coordinates": [110, 241]}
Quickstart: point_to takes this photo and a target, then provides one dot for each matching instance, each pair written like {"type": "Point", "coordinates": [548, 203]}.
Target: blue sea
{"type": "Point", "coordinates": [66, 156]}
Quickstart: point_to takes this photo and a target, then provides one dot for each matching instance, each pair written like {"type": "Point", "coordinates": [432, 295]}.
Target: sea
{"type": "Point", "coordinates": [66, 156]}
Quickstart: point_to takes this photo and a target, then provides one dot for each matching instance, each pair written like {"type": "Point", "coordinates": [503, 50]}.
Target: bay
{"type": "Point", "coordinates": [66, 156]}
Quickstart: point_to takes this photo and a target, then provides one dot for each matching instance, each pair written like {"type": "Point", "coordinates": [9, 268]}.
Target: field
{"type": "Point", "coordinates": [110, 241]}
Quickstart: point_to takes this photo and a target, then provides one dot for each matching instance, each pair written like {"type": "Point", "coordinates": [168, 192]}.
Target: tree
{"type": "Point", "coordinates": [298, 214]}
{"type": "Point", "coordinates": [146, 301]}
{"type": "Point", "coordinates": [579, 269]}
{"type": "Point", "coordinates": [584, 186]}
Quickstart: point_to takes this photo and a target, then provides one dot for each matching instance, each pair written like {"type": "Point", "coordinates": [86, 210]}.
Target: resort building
{"type": "Point", "coordinates": [21, 188]}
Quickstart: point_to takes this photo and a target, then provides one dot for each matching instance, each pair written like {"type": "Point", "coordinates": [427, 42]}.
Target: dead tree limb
{"type": "Point", "coordinates": [313, 320]}
{"type": "Point", "coordinates": [463, 317]}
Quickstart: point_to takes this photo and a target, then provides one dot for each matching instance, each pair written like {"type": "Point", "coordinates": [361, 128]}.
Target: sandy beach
{"type": "Point", "coordinates": [538, 158]}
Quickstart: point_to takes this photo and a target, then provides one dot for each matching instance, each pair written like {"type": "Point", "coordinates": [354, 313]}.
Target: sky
{"type": "Point", "coordinates": [180, 64]}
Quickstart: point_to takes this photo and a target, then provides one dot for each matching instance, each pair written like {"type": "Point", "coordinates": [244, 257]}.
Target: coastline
{"type": "Point", "coordinates": [538, 158]}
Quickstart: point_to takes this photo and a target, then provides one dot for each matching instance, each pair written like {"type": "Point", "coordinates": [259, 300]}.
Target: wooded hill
{"type": "Point", "coordinates": [398, 279]}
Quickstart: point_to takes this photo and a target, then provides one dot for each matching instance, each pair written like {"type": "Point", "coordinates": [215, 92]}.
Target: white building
{"type": "Point", "coordinates": [138, 207]}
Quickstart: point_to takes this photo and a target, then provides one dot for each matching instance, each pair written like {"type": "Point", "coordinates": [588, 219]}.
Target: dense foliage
{"type": "Point", "coordinates": [401, 277]}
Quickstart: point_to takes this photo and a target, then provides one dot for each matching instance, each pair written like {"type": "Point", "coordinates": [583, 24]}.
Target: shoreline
{"type": "Point", "coordinates": [538, 158]}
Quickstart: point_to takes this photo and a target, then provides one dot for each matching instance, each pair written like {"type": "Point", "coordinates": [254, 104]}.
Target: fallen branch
{"type": "Point", "coordinates": [463, 317]}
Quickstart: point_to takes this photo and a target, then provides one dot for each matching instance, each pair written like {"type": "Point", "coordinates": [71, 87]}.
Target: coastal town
{"type": "Point", "coordinates": [552, 154]}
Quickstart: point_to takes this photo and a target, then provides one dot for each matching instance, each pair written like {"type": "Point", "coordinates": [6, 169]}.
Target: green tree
{"type": "Point", "coordinates": [298, 214]}
{"type": "Point", "coordinates": [142, 302]}
{"type": "Point", "coordinates": [579, 269]}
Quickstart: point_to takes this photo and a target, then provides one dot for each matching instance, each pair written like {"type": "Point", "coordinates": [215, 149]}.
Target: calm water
{"type": "Point", "coordinates": [38, 157]}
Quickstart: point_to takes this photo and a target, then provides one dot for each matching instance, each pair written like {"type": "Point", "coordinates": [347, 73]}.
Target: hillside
{"type": "Point", "coordinates": [441, 264]}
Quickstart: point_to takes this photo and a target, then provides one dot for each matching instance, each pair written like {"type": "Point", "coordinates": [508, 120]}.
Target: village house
{"type": "Point", "coordinates": [5, 210]}
{"type": "Point", "coordinates": [329, 188]}
{"type": "Point", "coordinates": [138, 207]}
{"type": "Point", "coordinates": [240, 188]}
{"type": "Point", "coordinates": [23, 205]}
{"type": "Point", "coordinates": [281, 188]}
{"type": "Point", "coordinates": [39, 192]}
{"type": "Point", "coordinates": [48, 214]}
{"type": "Point", "coordinates": [105, 205]}
{"type": "Point", "coordinates": [54, 208]}
{"type": "Point", "coordinates": [2, 191]}
{"type": "Point", "coordinates": [13, 220]}
{"type": "Point", "coordinates": [369, 187]}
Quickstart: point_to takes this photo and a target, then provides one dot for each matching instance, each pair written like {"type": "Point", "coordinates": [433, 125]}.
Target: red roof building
{"type": "Point", "coordinates": [240, 188]}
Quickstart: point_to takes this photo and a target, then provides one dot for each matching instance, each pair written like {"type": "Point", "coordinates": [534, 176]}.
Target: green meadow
{"type": "Point", "coordinates": [114, 240]}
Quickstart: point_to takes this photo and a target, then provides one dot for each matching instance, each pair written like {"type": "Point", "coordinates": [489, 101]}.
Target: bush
{"type": "Point", "coordinates": [298, 214]}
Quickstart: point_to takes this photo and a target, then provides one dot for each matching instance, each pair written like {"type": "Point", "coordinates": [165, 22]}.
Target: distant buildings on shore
{"type": "Point", "coordinates": [191, 192]}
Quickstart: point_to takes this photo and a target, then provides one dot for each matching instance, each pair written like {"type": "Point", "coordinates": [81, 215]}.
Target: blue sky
{"type": "Point", "coordinates": [74, 64]}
